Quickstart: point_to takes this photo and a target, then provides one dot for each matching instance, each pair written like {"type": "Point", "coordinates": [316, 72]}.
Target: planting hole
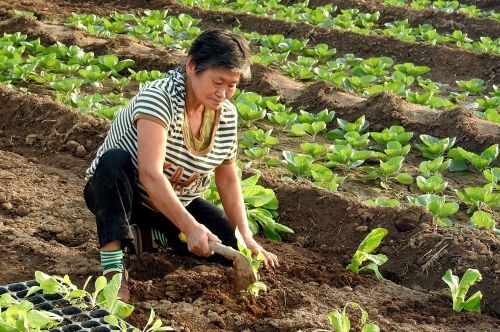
{"type": "Point", "coordinates": [52, 297]}
{"type": "Point", "coordinates": [100, 329]}
{"type": "Point", "coordinates": [22, 294]}
{"type": "Point", "coordinates": [17, 287]}
{"type": "Point", "coordinates": [71, 310]}
{"type": "Point", "coordinates": [57, 312]}
{"type": "Point", "coordinates": [44, 306]}
{"type": "Point", "coordinates": [99, 313]}
{"type": "Point", "coordinates": [35, 299]}
{"type": "Point", "coordinates": [80, 318]}
{"type": "Point", "coordinates": [71, 328]}
{"type": "Point", "coordinates": [31, 283]}
{"type": "Point", "coordinates": [90, 323]}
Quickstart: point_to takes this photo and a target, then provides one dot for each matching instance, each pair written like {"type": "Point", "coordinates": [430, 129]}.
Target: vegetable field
{"type": "Point", "coordinates": [369, 140]}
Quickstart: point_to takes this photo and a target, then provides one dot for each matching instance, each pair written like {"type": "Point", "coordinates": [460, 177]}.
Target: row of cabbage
{"type": "Point", "coordinates": [311, 62]}
{"type": "Point", "coordinates": [348, 146]}
{"type": "Point", "coordinates": [447, 6]}
{"type": "Point", "coordinates": [350, 19]}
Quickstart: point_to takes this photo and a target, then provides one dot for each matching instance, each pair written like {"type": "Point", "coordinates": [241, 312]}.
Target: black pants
{"type": "Point", "coordinates": [112, 196]}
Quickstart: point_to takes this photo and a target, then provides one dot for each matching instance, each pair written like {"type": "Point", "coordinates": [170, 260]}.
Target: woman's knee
{"type": "Point", "coordinates": [115, 161]}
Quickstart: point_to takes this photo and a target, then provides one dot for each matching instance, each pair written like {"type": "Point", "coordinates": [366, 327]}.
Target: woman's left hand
{"type": "Point", "coordinates": [270, 259]}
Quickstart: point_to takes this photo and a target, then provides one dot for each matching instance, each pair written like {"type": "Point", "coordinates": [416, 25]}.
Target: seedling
{"type": "Point", "coordinates": [311, 129]}
{"type": "Point", "coordinates": [251, 138]}
{"type": "Point", "coordinates": [260, 203]}
{"type": "Point", "coordinates": [474, 86]}
{"type": "Point", "coordinates": [256, 152]}
{"type": "Point", "coordinates": [340, 321]}
{"type": "Point", "coordinates": [359, 125]}
{"type": "Point", "coordinates": [283, 119]}
{"type": "Point", "coordinates": [395, 149]}
{"type": "Point", "coordinates": [431, 185]}
{"type": "Point", "coordinates": [433, 147]}
{"type": "Point", "coordinates": [249, 112]}
{"type": "Point", "coordinates": [388, 170]}
{"type": "Point", "coordinates": [459, 289]}
{"type": "Point", "coordinates": [482, 219]}
{"type": "Point", "coordinates": [434, 167]}
{"type": "Point", "coordinates": [363, 253]}
{"type": "Point", "coordinates": [384, 202]}
{"type": "Point", "coordinates": [149, 327]}
{"type": "Point", "coordinates": [313, 149]}
{"type": "Point", "coordinates": [354, 139]}
{"type": "Point", "coordinates": [411, 69]}
{"type": "Point", "coordinates": [438, 206]}
{"type": "Point", "coordinates": [298, 164]}
{"type": "Point", "coordinates": [493, 176]}
{"type": "Point", "coordinates": [345, 156]}
{"type": "Point", "coordinates": [478, 198]}
{"type": "Point", "coordinates": [394, 133]}
{"type": "Point", "coordinates": [256, 287]}
{"type": "Point", "coordinates": [479, 162]}
{"type": "Point", "coordinates": [20, 316]}
{"type": "Point", "coordinates": [325, 178]}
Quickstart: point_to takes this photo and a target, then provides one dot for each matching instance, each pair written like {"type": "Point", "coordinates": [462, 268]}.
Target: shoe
{"type": "Point", "coordinates": [123, 291]}
{"type": "Point", "coordinates": [142, 240]}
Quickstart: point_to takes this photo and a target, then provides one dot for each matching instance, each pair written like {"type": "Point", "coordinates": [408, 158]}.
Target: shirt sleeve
{"type": "Point", "coordinates": [233, 151]}
{"type": "Point", "coordinates": [153, 104]}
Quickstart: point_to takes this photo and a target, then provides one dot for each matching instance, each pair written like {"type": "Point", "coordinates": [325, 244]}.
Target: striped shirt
{"type": "Point", "coordinates": [163, 101]}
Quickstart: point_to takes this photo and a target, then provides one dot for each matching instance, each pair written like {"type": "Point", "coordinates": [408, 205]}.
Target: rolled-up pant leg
{"type": "Point", "coordinates": [110, 194]}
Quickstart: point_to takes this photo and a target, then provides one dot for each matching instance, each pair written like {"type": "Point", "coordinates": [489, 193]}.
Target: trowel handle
{"type": "Point", "coordinates": [223, 250]}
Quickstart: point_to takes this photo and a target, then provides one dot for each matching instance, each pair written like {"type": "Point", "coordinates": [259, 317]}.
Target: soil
{"type": "Point", "coordinates": [44, 224]}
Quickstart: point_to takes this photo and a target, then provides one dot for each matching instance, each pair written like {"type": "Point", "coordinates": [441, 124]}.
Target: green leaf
{"type": "Point", "coordinates": [404, 178]}
{"type": "Point", "coordinates": [481, 219]}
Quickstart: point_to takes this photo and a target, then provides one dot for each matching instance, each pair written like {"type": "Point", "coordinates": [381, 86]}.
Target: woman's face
{"type": "Point", "coordinates": [212, 86]}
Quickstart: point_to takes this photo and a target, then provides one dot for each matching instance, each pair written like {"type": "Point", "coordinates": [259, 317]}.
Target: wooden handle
{"type": "Point", "coordinates": [223, 250]}
{"type": "Point", "coordinates": [219, 248]}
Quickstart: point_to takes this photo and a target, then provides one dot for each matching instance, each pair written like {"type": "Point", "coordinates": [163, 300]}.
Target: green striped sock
{"type": "Point", "coordinates": [160, 239]}
{"type": "Point", "coordinates": [112, 260]}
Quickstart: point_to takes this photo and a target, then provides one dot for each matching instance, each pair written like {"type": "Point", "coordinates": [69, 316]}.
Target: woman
{"type": "Point", "coordinates": [146, 182]}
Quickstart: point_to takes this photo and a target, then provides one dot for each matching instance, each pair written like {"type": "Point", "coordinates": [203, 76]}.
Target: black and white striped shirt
{"type": "Point", "coordinates": [163, 101]}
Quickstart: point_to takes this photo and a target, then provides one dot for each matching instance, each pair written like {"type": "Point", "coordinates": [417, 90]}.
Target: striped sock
{"type": "Point", "coordinates": [112, 260]}
{"type": "Point", "coordinates": [160, 239]}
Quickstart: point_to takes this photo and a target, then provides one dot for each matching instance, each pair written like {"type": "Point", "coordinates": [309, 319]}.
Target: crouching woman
{"type": "Point", "coordinates": [146, 181]}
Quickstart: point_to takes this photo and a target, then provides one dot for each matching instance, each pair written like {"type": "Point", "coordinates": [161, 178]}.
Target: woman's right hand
{"type": "Point", "coordinates": [197, 237]}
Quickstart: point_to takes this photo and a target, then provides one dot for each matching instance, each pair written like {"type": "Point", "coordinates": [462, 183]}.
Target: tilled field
{"type": "Point", "coordinates": [45, 225]}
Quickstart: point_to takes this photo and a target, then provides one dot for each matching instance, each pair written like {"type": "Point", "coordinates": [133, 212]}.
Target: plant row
{"type": "Point", "coordinates": [352, 147]}
{"type": "Point", "coordinates": [351, 19]}
{"type": "Point", "coordinates": [361, 76]}
{"type": "Point", "coordinates": [447, 6]}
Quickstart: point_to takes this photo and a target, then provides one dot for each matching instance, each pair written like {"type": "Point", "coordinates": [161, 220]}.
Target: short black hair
{"type": "Point", "coordinates": [217, 48]}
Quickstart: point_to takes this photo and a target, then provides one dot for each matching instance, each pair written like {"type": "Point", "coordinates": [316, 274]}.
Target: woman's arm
{"type": "Point", "coordinates": [228, 186]}
{"type": "Point", "coordinates": [151, 157]}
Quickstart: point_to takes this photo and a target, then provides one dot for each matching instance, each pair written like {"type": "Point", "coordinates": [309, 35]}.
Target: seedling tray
{"type": "Point", "coordinates": [74, 318]}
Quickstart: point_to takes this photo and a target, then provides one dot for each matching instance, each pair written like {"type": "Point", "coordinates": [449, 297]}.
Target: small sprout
{"type": "Point", "coordinates": [384, 202]}
{"type": "Point", "coordinates": [459, 289]}
{"type": "Point", "coordinates": [438, 206]}
{"type": "Point", "coordinates": [433, 147]}
{"type": "Point", "coordinates": [431, 185]}
{"type": "Point", "coordinates": [482, 219]}
{"type": "Point", "coordinates": [363, 253]}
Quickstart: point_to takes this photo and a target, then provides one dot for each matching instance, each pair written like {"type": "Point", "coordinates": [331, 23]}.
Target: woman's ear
{"type": "Point", "coordinates": [190, 66]}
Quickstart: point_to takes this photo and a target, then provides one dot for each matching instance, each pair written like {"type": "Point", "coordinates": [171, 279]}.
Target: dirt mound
{"type": "Point", "coordinates": [420, 253]}
{"type": "Point", "coordinates": [384, 110]}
